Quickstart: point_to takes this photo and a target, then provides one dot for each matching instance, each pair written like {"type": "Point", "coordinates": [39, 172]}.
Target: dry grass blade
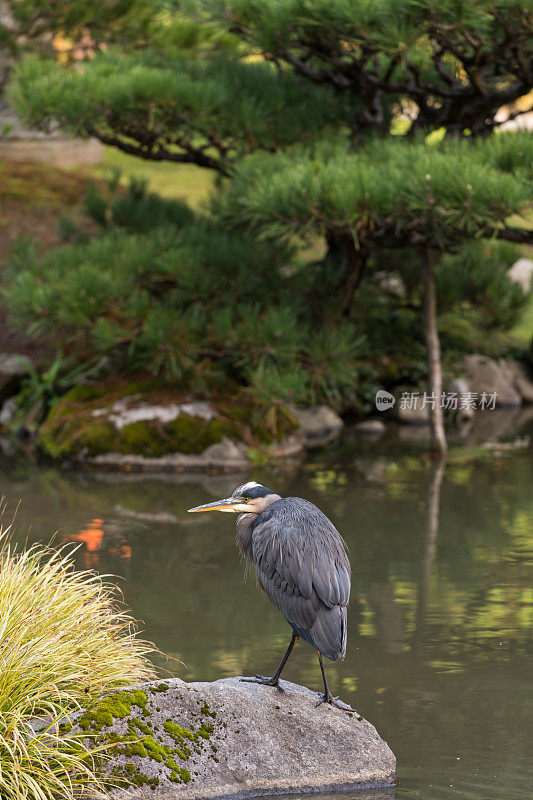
{"type": "Point", "coordinates": [64, 639]}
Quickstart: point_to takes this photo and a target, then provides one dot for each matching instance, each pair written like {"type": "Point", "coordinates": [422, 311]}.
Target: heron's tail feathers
{"type": "Point", "coordinates": [328, 632]}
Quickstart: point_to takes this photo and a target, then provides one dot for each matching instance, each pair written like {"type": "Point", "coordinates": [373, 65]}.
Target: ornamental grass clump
{"type": "Point", "coordinates": [64, 640]}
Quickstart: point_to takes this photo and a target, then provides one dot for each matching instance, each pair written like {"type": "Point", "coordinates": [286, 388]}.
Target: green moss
{"type": "Point", "coordinates": [247, 415]}
{"type": "Point", "coordinates": [205, 731]}
{"type": "Point", "coordinates": [180, 776]}
{"type": "Point", "coordinates": [140, 740]}
{"type": "Point", "coordinates": [142, 438]}
{"type": "Point", "coordinates": [66, 434]}
{"type": "Point", "coordinates": [177, 732]}
{"type": "Point", "coordinates": [194, 435]}
{"type": "Point", "coordinates": [205, 710]}
{"type": "Point", "coordinates": [161, 687]}
{"type": "Point", "coordinates": [156, 751]}
{"type": "Point", "coordinates": [65, 728]}
{"type": "Point", "coordinates": [111, 707]}
{"type": "Point", "coordinates": [135, 749]}
{"type": "Point", "coordinates": [72, 429]}
{"type": "Point", "coordinates": [133, 776]}
{"type": "Point", "coordinates": [98, 437]}
{"type": "Point", "coordinates": [83, 393]}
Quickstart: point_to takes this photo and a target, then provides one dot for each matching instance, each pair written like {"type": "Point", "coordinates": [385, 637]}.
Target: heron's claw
{"type": "Point", "coordinates": [264, 681]}
{"type": "Point", "coordinates": [334, 701]}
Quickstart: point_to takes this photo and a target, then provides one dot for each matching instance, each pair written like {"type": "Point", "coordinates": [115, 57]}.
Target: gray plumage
{"type": "Point", "coordinates": [302, 565]}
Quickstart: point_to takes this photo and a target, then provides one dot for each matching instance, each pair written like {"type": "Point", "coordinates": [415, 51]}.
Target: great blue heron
{"type": "Point", "coordinates": [301, 563]}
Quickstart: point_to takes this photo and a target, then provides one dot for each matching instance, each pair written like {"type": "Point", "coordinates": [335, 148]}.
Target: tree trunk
{"type": "Point", "coordinates": [436, 417]}
{"type": "Point", "coordinates": [349, 262]}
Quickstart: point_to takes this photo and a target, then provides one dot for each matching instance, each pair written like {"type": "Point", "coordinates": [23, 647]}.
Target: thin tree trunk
{"type": "Point", "coordinates": [436, 417]}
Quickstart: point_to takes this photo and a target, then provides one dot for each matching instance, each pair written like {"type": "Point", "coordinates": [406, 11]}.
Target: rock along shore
{"type": "Point", "coordinates": [230, 739]}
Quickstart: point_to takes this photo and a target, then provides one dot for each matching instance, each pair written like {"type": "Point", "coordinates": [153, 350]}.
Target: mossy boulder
{"type": "Point", "coordinates": [137, 423]}
{"type": "Point", "coordinates": [232, 739]}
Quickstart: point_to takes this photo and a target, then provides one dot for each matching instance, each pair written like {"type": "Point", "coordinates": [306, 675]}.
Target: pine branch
{"type": "Point", "coordinates": [516, 235]}
{"type": "Point", "coordinates": [192, 156]}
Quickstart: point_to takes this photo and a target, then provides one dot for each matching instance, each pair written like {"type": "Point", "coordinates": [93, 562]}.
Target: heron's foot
{"type": "Point", "coordinates": [264, 681]}
{"type": "Point", "coordinates": [334, 701]}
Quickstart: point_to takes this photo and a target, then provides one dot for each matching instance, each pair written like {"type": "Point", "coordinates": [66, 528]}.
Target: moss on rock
{"type": "Point", "coordinates": [80, 424]}
{"type": "Point", "coordinates": [114, 706]}
{"type": "Point", "coordinates": [112, 720]}
{"type": "Point", "coordinates": [142, 438]}
{"type": "Point", "coordinates": [194, 435]}
{"type": "Point", "coordinates": [67, 433]}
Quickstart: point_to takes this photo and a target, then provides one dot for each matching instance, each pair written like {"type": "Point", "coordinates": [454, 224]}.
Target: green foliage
{"type": "Point", "coordinates": [393, 190]}
{"type": "Point", "coordinates": [136, 210]}
{"type": "Point", "coordinates": [42, 387]}
{"type": "Point", "coordinates": [294, 102]}
{"type": "Point", "coordinates": [449, 64]}
{"type": "Point", "coordinates": [206, 111]}
{"type": "Point", "coordinates": [36, 19]}
{"type": "Point", "coordinates": [192, 302]}
{"type": "Point", "coordinates": [64, 641]}
{"type": "Point", "coordinates": [478, 275]}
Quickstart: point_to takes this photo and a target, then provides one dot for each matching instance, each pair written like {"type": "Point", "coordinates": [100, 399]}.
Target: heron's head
{"type": "Point", "coordinates": [250, 498]}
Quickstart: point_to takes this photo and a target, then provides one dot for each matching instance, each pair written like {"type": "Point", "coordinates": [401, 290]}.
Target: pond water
{"type": "Point", "coordinates": [441, 617]}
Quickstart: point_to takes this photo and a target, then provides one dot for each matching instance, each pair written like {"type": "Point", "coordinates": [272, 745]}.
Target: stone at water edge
{"type": "Point", "coordinates": [319, 425]}
{"type": "Point", "coordinates": [235, 739]}
{"type": "Point", "coordinates": [485, 375]}
{"type": "Point", "coordinates": [12, 371]}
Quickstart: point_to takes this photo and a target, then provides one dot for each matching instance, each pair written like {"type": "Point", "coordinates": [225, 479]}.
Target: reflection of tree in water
{"type": "Point", "coordinates": [429, 607]}
{"type": "Point", "coordinates": [186, 583]}
{"type": "Point", "coordinates": [430, 542]}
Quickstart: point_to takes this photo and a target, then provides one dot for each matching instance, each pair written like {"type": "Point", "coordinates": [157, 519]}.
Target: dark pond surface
{"type": "Point", "coordinates": [441, 617]}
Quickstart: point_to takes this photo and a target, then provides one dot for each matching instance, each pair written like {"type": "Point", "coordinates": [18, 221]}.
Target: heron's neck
{"type": "Point", "coordinates": [245, 523]}
{"type": "Point", "coordinates": [243, 535]}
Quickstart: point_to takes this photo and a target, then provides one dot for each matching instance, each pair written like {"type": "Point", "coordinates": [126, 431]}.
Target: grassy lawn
{"type": "Point", "coordinates": [185, 181]}
{"type": "Point", "coordinates": [33, 196]}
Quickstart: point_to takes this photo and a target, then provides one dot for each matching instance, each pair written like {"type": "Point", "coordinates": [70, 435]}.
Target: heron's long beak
{"type": "Point", "coordinates": [220, 505]}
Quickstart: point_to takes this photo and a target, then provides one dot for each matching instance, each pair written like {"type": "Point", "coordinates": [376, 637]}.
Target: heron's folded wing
{"type": "Point", "coordinates": [300, 561]}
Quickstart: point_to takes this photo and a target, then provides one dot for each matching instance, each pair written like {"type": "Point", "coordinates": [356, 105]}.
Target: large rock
{"type": "Point", "coordinates": [12, 371]}
{"type": "Point", "coordinates": [370, 427]}
{"type": "Point", "coordinates": [461, 391]}
{"type": "Point", "coordinates": [19, 143]}
{"type": "Point", "coordinates": [522, 273]}
{"type": "Point", "coordinates": [485, 375]}
{"type": "Point", "coordinates": [319, 425]}
{"type": "Point", "coordinates": [517, 375]}
{"type": "Point", "coordinates": [409, 407]}
{"type": "Point", "coordinates": [226, 455]}
{"type": "Point", "coordinates": [146, 428]}
{"type": "Point", "coordinates": [129, 410]}
{"type": "Point", "coordinates": [235, 739]}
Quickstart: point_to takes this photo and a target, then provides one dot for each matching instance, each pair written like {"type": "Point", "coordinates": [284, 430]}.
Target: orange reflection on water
{"type": "Point", "coordinates": [91, 535]}
{"type": "Point", "coordinates": [123, 550]}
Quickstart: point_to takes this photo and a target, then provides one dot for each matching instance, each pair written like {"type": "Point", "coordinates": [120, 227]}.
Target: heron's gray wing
{"type": "Point", "coordinates": [302, 565]}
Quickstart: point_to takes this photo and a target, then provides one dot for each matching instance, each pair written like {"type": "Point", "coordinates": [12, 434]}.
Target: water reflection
{"type": "Point", "coordinates": [441, 616]}
{"type": "Point", "coordinates": [430, 542]}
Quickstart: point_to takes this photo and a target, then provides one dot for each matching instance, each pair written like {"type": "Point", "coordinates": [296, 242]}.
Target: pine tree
{"type": "Point", "coordinates": [370, 126]}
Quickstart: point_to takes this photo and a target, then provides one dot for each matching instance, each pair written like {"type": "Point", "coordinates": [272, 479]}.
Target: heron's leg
{"type": "Point", "coordinates": [274, 680]}
{"type": "Point", "coordinates": [327, 697]}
